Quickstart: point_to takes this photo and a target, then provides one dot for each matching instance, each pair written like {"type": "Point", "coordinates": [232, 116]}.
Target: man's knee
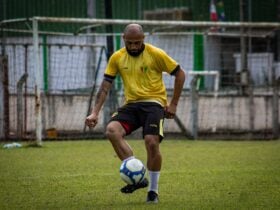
{"type": "Point", "coordinates": [152, 142]}
{"type": "Point", "coordinates": [114, 129]}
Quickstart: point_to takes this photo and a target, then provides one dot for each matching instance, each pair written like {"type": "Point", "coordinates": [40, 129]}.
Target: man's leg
{"type": "Point", "coordinates": [115, 133]}
{"type": "Point", "coordinates": [154, 161]}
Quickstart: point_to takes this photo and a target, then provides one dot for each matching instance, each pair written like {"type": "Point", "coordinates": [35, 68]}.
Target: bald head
{"type": "Point", "coordinates": [133, 29]}
{"type": "Point", "coordinates": [134, 39]}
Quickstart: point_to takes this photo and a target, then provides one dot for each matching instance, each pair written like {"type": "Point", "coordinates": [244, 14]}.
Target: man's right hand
{"type": "Point", "coordinates": [91, 120]}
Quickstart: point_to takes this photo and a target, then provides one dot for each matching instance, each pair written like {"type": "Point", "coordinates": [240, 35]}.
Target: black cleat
{"type": "Point", "coordinates": [152, 197]}
{"type": "Point", "coordinates": [130, 188]}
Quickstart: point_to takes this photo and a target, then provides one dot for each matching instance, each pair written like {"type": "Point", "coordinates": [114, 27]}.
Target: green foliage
{"type": "Point", "coordinates": [195, 175]}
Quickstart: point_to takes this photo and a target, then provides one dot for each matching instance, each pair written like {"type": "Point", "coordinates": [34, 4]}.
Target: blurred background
{"type": "Point", "coordinates": [233, 70]}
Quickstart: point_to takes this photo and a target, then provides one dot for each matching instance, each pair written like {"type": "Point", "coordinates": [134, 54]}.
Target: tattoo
{"type": "Point", "coordinates": [101, 93]}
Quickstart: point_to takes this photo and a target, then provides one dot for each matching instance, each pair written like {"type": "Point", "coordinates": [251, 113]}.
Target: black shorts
{"type": "Point", "coordinates": [148, 115]}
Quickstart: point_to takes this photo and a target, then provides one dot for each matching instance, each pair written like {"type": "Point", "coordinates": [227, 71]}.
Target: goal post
{"type": "Point", "coordinates": [37, 84]}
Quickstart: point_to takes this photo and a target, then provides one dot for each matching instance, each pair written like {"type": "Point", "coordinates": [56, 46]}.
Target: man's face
{"type": "Point", "coordinates": [134, 43]}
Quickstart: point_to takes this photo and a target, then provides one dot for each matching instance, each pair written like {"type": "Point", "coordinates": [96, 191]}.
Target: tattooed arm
{"type": "Point", "coordinates": [92, 119]}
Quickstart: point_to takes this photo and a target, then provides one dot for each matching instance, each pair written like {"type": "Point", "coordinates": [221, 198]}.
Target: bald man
{"type": "Point", "coordinates": [141, 68]}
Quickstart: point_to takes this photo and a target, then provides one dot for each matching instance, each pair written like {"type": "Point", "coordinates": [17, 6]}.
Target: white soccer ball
{"type": "Point", "coordinates": [132, 171]}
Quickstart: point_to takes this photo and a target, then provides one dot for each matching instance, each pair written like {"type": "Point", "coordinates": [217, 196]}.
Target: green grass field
{"type": "Point", "coordinates": [195, 175]}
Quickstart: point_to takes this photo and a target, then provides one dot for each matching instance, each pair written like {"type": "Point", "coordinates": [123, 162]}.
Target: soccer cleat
{"type": "Point", "coordinates": [130, 188]}
{"type": "Point", "coordinates": [152, 197]}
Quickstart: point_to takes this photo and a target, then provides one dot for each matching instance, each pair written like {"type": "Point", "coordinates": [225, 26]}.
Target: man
{"type": "Point", "coordinates": [140, 66]}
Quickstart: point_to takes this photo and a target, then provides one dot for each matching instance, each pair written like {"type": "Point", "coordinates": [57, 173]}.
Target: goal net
{"type": "Point", "coordinates": [55, 66]}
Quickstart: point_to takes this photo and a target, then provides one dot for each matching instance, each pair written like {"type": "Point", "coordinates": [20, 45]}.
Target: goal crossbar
{"type": "Point", "coordinates": [216, 74]}
{"type": "Point", "coordinates": [249, 29]}
{"type": "Point", "coordinates": [230, 24]}
{"type": "Point", "coordinates": [160, 22]}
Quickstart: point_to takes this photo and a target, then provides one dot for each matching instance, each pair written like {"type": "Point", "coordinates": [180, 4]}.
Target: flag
{"type": "Point", "coordinates": [217, 13]}
{"type": "Point", "coordinates": [213, 11]}
{"type": "Point", "coordinates": [221, 11]}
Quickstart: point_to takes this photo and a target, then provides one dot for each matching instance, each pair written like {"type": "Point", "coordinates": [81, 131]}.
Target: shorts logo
{"type": "Point", "coordinates": [153, 125]}
{"type": "Point", "coordinates": [114, 114]}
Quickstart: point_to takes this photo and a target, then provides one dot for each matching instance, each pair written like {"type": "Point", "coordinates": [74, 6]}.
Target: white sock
{"type": "Point", "coordinates": [154, 178]}
{"type": "Point", "coordinates": [131, 157]}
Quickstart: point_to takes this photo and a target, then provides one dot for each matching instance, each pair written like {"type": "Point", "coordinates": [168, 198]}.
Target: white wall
{"type": "Point", "coordinates": [230, 113]}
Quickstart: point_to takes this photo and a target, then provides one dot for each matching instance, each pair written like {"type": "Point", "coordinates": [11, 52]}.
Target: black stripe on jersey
{"type": "Point", "coordinates": [174, 72]}
{"type": "Point", "coordinates": [109, 78]}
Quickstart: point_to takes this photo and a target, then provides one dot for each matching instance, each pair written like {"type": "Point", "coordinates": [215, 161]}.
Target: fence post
{"type": "Point", "coordinates": [20, 123]}
{"type": "Point", "coordinates": [5, 84]}
{"type": "Point", "coordinates": [275, 105]}
{"type": "Point", "coordinates": [38, 105]}
{"type": "Point", "coordinates": [194, 107]}
{"type": "Point", "coordinates": [251, 109]}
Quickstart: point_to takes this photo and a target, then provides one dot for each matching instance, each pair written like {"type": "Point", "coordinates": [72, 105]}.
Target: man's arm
{"type": "Point", "coordinates": [178, 86]}
{"type": "Point", "coordinates": [92, 119]}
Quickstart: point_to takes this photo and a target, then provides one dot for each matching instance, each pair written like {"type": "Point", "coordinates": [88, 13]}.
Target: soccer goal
{"type": "Point", "coordinates": [64, 61]}
{"type": "Point", "coordinates": [212, 104]}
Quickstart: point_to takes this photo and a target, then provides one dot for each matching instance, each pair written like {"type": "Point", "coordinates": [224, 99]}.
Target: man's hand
{"type": "Point", "coordinates": [91, 120]}
{"type": "Point", "coordinates": [170, 111]}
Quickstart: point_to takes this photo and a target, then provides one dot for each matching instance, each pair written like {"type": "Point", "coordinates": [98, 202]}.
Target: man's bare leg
{"type": "Point", "coordinates": [115, 133]}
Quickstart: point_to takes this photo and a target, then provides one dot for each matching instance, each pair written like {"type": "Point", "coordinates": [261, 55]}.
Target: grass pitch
{"type": "Point", "coordinates": [195, 175]}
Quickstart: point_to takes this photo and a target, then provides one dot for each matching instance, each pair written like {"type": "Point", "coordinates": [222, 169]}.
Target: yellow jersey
{"type": "Point", "coordinates": [142, 75]}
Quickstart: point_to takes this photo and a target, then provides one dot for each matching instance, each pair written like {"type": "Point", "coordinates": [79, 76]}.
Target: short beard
{"type": "Point", "coordinates": [135, 54]}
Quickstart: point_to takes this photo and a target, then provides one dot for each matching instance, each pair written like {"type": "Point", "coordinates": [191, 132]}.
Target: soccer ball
{"type": "Point", "coordinates": [132, 171]}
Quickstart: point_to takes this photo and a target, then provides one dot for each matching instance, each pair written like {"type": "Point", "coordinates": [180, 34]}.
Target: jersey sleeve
{"type": "Point", "coordinates": [112, 66]}
{"type": "Point", "coordinates": [167, 64]}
